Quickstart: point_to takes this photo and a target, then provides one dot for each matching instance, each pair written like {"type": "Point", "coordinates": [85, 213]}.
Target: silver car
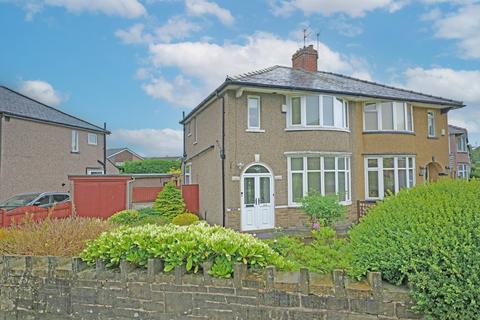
{"type": "Point", "coordinates": [39, 199]}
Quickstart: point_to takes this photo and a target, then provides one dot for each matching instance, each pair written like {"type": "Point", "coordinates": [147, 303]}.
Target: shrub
{"type": "Point", "coordinates": [51, 237]}
{"type": "Point", "coordinates": [430, 237]}
{"type": "Point", "coordinates": [323, 209]}
{"type": "Point", "coordinates": [177, 245]}
{"type": "Point", "coordinates": [3, 234]}
{"type": "Point", "coordinates": [151, 166]}
{"type": "Point", "coordinates": [324, 254]}
{"type": "Point", "coordinates": [136, 218]}
{"type": "Point", "coordinates": [185, 219]}
{"type": "Point", "coordinates": [169, 202]}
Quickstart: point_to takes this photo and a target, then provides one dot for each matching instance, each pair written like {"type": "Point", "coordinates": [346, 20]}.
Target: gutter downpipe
{"type": "Point", "coordinates": [1, 137]}
{"type": "Point", "coordinates": [222, 157]}
{"type": "Point", "coordinates": [129, 192]}
{"type": "Point", "coordinates": [104, 148]}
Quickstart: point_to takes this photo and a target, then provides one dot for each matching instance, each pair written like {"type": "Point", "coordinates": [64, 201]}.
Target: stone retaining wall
{"type": "Point", "coordinates": [63, 288]}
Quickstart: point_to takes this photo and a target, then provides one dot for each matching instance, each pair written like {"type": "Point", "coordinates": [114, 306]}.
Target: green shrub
{"type": "Point", "coordinates": [430, 237]}
{"type": "Point", "coordinates": [169, 202]}
{"type": "Point", "coordinates": [136, 218]}
{"type": "Point", "coordinates": [125, 217]}
{"type": "Point", "coordinates": [178, 245]}
{"type": "Point", "coordinates": [323, 209]}
{"type": "Point", "coordinates": [151, 166]}
{"type": "Point", "coordinates": [185, 219]}
{"type": "Point", "coordinates": [323, 255]}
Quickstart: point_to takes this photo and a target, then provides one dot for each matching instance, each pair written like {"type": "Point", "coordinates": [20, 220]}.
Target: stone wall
{"type": "Point", "coordinates": [62, 288]}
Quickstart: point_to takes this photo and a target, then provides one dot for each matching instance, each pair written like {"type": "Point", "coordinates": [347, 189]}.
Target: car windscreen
{"type": "Point", "coordinates": [20, 200]}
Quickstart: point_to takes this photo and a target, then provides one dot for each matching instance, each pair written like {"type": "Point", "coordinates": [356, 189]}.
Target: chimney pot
{"type": "Point", "coordinates": [305, 58]}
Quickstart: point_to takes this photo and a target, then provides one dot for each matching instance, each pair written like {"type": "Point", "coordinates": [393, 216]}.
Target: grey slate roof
{"type": "Point", "coordinates": [456, 130]}
{"type": "Point", "coordinates": [289, 78]}
{"type": "Point", "coordinates": [16, 104]}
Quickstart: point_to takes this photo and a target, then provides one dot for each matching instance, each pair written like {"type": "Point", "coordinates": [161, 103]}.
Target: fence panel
{"type": "Point", "coordinates": [16, 216]}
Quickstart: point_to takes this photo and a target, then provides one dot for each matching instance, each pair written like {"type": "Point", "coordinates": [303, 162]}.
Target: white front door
{"type": "Point", "coordinates": [257, 197]}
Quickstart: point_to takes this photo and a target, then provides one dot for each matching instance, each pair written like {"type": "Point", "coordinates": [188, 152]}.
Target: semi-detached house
{"type": "Point", "coordinates": [263, 140]}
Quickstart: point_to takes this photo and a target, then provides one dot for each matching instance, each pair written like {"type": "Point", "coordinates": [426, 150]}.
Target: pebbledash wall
{"type": "Point", "coordinates": [63, 288]}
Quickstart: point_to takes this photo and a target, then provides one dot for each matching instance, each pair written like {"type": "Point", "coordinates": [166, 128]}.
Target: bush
{"type": "Point", "coordinates": [177, 245]}
{"type": "Point", "coordinates": [151, 166]}
{"type": "Point", "coordinates": [169, 202]}
{"type": "Point", "coordinates": [323, 209]}
{"type": "Point", "coordinates": [430, 237]}
{"type": "Point", "coordinates": [136, 218]}
{"type": "Point", "coordinates": [323, 255]}
{"type": "Point", "coordinates": [185, 219]}
{"type": "Point", "coordinates": [51, 237]}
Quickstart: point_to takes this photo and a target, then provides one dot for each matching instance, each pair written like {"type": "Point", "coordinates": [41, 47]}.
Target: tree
{"type": "Point", "coordinates": [169, 202]}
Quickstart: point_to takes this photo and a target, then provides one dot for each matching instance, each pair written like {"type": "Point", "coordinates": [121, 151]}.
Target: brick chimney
{"type": "Point", "coordinates": [305, 59]}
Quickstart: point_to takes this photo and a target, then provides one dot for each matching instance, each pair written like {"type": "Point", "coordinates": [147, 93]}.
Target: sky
{"type": "Point", "coordinates": [138, 64]}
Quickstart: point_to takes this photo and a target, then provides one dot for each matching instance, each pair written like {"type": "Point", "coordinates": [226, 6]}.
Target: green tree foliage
{"type": "Point", "coordinates": [137, 217]}
{"type": "Point", "coordinates": [169, 202]}
{"type": "Point", "coordinates": [475, 154]}
{"type": "Point", "coordinates": [185, 219]}
{"type": "Point", "coordinates": [430, 237]}
{"type": "Point", "coordinates": [323, 209]}
{"type": "Point", "coordinates": [151, 166]}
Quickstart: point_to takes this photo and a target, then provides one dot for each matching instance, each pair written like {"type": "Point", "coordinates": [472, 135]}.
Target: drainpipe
{"type": "Point", "coordinates": [104, 148]}
{"type": "Point", "coordinates": [129, 192]}
{"type": "Point", "coordinates": [222, 157]}
{"type": "Point", "coordinates": [184, 149]}
{"type": "Point", "coordinates": [1, 137]}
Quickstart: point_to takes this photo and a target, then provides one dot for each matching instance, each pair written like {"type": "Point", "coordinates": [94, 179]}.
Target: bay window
{"type": "Point", "coordinates": [317, 112]}
{"type": "Point", "coordinates": [326, 175]}
{"type": "Point", "coordinates": [388, 116]}
{"type": "Point", "coordinates": [388, 174]}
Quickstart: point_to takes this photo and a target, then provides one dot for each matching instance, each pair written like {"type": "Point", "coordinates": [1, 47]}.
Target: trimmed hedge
{"type": "Point", "coordinates": [138, 217]}
{"type": "Point", "coordinates": [185, 219]}
{"type": "Point", "coordinates": [430, 237]}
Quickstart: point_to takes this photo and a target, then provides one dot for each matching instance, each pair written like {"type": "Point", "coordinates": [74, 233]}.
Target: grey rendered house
{"type": "Point", "coordinates": [263, 140]}
{"type": "Point", "coordinates": [40, 146]}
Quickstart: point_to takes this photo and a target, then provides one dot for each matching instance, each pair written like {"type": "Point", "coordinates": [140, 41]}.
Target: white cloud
{"type": "Point", "coordinates": [355, 8]}
{"type": "Point", "coordinates": [176, 28]}
{"type": "Point", "coordinates": [41, 91]}
{"type": "Point", "coordinates": [431, 15]}
{"type": "Point", "coordinates": [150, 142]}
{"type": "Point", "coordinates": [463, 26]}
{"type": "Point", "coordinates": [123, 8]}
{"type": "Point", "coordinates": [204, 7]}
{"type": "Point", "coordinates": [179, 92]}
{"type": "Point", "coordinates": [133, 35]}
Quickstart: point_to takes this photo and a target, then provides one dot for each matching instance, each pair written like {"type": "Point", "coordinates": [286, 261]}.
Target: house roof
{"type": "Point", "coordinates": [456, 130]}
{"type": "Point", "coordinates": [114, 151]}
{"type": "Point", "coordinates": [294, 79]}
{"type": "Point", "coordinates": [15, 104]}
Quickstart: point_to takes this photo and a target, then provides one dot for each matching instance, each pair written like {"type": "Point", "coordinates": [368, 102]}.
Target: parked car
{"type": "Point", "coordinates": [39, 199]}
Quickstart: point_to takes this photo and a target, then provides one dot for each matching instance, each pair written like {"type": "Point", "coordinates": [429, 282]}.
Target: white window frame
{"type": "Point", "coordinates": [75, 147]}
{"type": "Point", "coordinates": [187, 173]}
{"type": "Point", "coordinates": [463, 139]}
{"type": "Point", "coordinates": [92, 139]}
{"type": "Point", "coordinates": [379, 169]}
{"type": "Point", "coordinates": [95, 171]}
{"type": "Point", "coordinates": [303, 107]}
{"type": "Point", "coordinates": [189, 128]}
{"type": "Point", "coordinates": [195, 132]}
{"type": "Point", "coordinates": [251, 128]}
{"type": "Point", "coordinates": [463, 171]}
{"type": "Point", "coordinates": [431, 115]}
{"type": "Point", "coordinates": [406, 108]}
{"type": "Point", "coordinates": [305, 171]}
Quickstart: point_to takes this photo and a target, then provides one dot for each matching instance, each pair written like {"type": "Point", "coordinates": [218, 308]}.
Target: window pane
{"type": "Point", "coordinates": [339, 113]}
{"type": "Point", "coordinates": [373, 184]}
{"type": "Point", "coordinates": [341, 163]}
{"type": "Point", "coordinates": [388, 163]}
{"type": "Point", "coordinates": [410, 178]}
{"type": "Point", "coordinates": [371, 119]}
{"type": "Point", "coordinates": [410, 162]}
{"type": "Point", "coordinates": [257, 169]}
{"type": "Point", "coordinates": [253, 113]}
{"type": "Point", "coordinates": [313, 163]}
{"type": "Point", "coordinates": [400, 112]}
{"type": "Point", "coordinates": [372, 163]}
{"type": "Point", "coordinates": [313, 113]}
{"type": "Point", "coordinates": [387, 116]}
{"type": "Point", "coordinates": [402, 162]}
{"type": "Point", "coordinates": [329, 163]}
{"type": "Point", "coordinates": [388, 181]}
{"type": "Point", "coordinates": [409, 118]}
{"type": "Point", "coordinates": [329, 183]}
{"type": "Point", "coordinates": [402, 179]}
{"type": "Point", "coordinates": [328, 111]}
{"type": "Point", "coordinates": [296, 163]}
{"type": "Point", "coordinates": [264, 190]}
{"type": "Point", "coordinates": [314, 182]}
{"type": "Point", "coordinates": [341, 186]}
{"type": "Point", "coordinates": [296, 111]}
{"type": "Point", "coordinates": [431, 124]}
{"type": "Point", "coordinates": [249, 198]}
{"type": "Point", "coordinates": [297, 187]}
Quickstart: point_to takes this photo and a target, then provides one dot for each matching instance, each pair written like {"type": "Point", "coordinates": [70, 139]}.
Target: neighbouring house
{"type": "Point", "coordinates": [460, 162]}
{"type": "Point", "coordinates": [40, 146]}
{"type": "Point", "coordinates": [118, 156]}
{"type": "Point", "coordinates": [263, 140]}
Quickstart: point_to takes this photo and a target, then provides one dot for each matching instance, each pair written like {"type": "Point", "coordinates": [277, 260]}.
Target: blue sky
{"type": "Point", "coordinates": [139, 64]}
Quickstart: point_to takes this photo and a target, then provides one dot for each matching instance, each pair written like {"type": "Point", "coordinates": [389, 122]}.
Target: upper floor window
{"type": "Point", "coordinates": [253, 112]}
{"type": "Point", "coordinates": [92, 139]}
{"type": "Point", "coordinates": [462, 143]}
{"type": "Point", "coordinates": [75, 147]}
{"type": "Point", "coordinates": [194, 123]}
{"type": "Point", "coordinates": [431, 123]}
{"type": "Point", "coordinates": [189, 128]}
{"type": "Point", "coordinates": [317, 112]}
{"type": "Point", "coordinates": [388, 116]}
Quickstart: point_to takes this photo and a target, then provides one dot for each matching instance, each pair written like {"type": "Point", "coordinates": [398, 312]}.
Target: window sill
{"type": "Point", "coordinates": [255, 130]}
{"type": "Point", "coordinates": [296, 206]}
{"type": "Point", "coordinates": [316, 129]}
{"type": "Point", "coordinates": [432, 138]}
{"type": "Point", "coordinates": [93, 144]}
{"type": "Point", "coordinates": [195, 142]}
{"type": "Point", "coordinates": [74, 152]}
{"type": "Point", "coordinates": [458, 151]}
{"type": "Point", "coordinates": [388, 132]}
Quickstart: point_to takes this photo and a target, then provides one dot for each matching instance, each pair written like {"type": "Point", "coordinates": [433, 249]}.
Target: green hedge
{"type": "Point", "coordinates": [185, 219]}
{"type": "Point", "coordinates": [177, 245]}
{"type": "Point", "coordinates": [151, 166]}
{"type": "Point", "coordinates": [138, 217]}
{"type": "Point", "coordinates": [430, 236]}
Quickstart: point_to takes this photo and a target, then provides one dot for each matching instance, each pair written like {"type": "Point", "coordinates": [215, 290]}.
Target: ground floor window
{"type": "Point", "coordinates": [327, 175]}
{"type": "Point", "coordinates": [463, 171]}
{"type": "Point", "coordinates": [188, 174]}
{"type": "Point", "coordinates": [388, 174]}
